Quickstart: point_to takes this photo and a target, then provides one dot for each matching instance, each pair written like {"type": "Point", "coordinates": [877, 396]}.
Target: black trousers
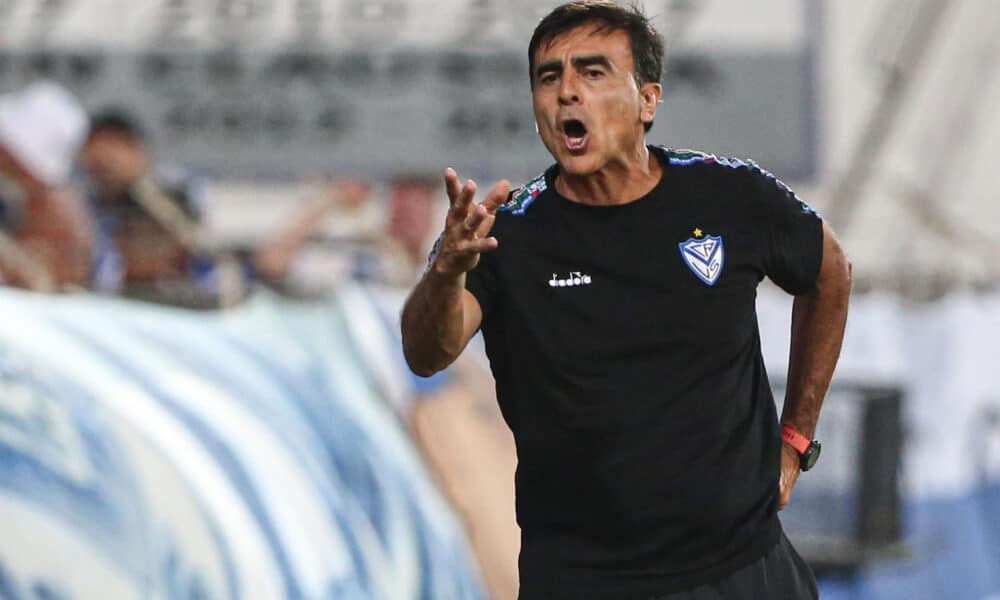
{"type": "Point", "coordinates": [781, 574]}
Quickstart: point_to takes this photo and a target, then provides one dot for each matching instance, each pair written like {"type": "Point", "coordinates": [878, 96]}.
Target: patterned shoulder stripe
{"type": "Point", "coordinates": [522, 197]}
{"type": "Point", "coordinates": [687, 157]}
{"type": "Point", "coordinates": [691, 157]}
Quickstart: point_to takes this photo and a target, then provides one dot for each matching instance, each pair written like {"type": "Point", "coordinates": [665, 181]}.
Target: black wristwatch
{"type": "Point", "coordinates": [808, 449]}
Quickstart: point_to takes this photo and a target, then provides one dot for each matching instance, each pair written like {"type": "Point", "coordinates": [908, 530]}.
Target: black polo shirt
{"type": "Point", "coordinates": [624, 344]}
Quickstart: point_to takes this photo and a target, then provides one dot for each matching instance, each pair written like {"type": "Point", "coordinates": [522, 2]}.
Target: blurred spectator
{"type": "Point", "coordinates": [146, 222]}
{"type": "Point", "coordinates": [275, 259]}
{"type": "Point", "coordinates": [45, 238]}
{"type": "Point", "coordinates": [301, 258]}
{"type": "Point", "coordinates": [412, 221]}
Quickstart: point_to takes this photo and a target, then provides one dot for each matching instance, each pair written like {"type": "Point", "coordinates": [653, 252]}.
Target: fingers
{"type": "Point", "coordinates": [459, 196]}
{"type": "Point", "coordinates": [467, 225]}
{"type": "Point", "coordinates": [477, 246]}
{"type": "Point", "coordinates": [789, 474]}
{"type": "Point", "coordinates": [474, 221]}
{"type": "Point", "coordinates": [784, 492]}
{"type": "Point", "coordinates": [497, 196]}
{"type": "Point", "coordinates": [451, 184]}
{"type": "Point", "coordinates": [482, 218]}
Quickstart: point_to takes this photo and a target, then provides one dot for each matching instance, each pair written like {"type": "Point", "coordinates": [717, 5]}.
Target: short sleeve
{"type": "Point", "coordinates": [480, 281]}
{"type": "Point", "coordinates": [792, 234]}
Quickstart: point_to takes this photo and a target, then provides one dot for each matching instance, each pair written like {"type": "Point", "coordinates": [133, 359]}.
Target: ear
{"type": "Point", "coordinates": [649, 95]}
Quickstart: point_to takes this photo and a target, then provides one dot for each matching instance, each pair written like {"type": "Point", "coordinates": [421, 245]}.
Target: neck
{"type": "Point", "coordinates": [620, 182]}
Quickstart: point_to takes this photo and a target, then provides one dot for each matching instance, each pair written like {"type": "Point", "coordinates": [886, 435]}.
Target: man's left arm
{"type": "Point", "coordinates": [818, 320]}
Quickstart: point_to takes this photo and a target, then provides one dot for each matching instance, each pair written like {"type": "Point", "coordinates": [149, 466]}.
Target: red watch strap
{"type": "Point", "coordinates": [795, 439]}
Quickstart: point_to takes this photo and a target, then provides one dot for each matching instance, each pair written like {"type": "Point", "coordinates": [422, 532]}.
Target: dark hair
{"type": "Point", "coordinates": [116, 120]}
{"type": "Point", "coordinates": [646, 43]}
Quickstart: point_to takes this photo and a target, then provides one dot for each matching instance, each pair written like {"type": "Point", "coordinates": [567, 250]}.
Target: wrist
{"type": "Point", "coordinates": [807, 449]}
{"type": "Point", "coordinates": [444, 280]}
{"type": "Point", "coordinates": [793, 438]}
{"type": "Point", "coordinates": [442, 274]}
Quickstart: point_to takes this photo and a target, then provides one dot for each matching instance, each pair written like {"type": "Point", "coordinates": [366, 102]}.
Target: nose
{"type": "Point", "coordinates": [568, 91]}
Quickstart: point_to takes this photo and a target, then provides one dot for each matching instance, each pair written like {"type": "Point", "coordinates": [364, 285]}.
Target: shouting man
{"type": "Point", "coordinates": [616, 295]}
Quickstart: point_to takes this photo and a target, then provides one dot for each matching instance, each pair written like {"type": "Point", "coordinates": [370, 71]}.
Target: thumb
{"type": "Point", "coordinates": [497, 196]}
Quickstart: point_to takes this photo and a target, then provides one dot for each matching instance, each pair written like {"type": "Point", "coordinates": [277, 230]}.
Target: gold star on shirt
{"type": "Point", "coordinates": [698, 232]}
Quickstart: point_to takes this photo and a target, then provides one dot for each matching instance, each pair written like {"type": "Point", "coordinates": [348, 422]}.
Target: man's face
{"type": "Point", "coordinates": [589, 108]}
{"type": "Point", "coordinates": [113, 161]}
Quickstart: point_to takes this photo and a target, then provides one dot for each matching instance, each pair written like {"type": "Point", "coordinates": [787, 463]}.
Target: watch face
{"type": "Point", "coordinates": [810, 456]}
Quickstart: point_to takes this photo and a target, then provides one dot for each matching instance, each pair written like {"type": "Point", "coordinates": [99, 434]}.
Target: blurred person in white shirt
{"type": "Point", "coordinates": [45, 236]}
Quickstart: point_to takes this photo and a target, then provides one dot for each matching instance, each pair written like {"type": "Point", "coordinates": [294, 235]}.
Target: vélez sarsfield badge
{"type": "Point", "coordinates": [705, 255]}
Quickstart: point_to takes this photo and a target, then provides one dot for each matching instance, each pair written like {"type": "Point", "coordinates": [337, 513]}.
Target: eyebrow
{"type": "Point", "coordinates": [578, 61]}
{"type": "Point", "coordinates": [591, 60]}
{"type": "Point", "coordinates": [551, 66]}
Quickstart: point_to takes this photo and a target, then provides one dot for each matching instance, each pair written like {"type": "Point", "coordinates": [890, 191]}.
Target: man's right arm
{"type": "Point", "coordinates": [439, 319]}
{"type": "Point", "coordinates": [441, 316]}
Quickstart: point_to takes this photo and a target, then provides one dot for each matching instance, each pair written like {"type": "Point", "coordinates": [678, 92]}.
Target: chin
{"type": "Point", "coordinates": [580, 166]}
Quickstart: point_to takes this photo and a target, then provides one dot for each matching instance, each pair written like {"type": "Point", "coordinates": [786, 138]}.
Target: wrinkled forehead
{"type": "Point", "coordinates": [592, 37]}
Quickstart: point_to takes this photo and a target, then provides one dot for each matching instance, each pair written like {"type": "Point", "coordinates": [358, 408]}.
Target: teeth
{"type": "Point", "coordinates": [575, 143]}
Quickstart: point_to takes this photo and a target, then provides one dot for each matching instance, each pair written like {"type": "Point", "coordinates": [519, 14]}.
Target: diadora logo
{"type": "Point", "coordinates": [704, 255]}
{"type": "Point", "coordinates": [575, 278]}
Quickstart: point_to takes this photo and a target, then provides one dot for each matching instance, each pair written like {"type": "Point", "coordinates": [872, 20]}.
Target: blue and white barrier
{"type": "Point", "coordinates": [150, 452]}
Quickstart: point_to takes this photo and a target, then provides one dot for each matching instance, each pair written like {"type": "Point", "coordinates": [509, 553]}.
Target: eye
{"type": "Point", "coordinates": [593, 73]}
{"type": "Point", "coordinates": [546, 78]}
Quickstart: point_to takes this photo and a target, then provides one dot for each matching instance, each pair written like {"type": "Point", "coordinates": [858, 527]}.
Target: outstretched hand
{"type": "Point", "coordinates": [467, 226]}
{"type": "Point", "coordinates": [789, 474]}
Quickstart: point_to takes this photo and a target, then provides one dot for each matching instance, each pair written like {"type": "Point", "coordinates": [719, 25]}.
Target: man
{"type": "Point", "coordinates": [616, 298]}
{"type": "Point", "coordinates": [145, 228]}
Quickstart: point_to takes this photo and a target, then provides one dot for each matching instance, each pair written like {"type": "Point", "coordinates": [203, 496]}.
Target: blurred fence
{"type": "Point", "coordinates": [364, 87]}
{"type": "Point", "coordinates": [920, 377]}
{"type": "Point", "coordinates": [148, 452]}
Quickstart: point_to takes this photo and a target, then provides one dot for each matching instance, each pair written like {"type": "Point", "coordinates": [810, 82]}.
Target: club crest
{"type": "Point", "coordinates": [704, 256]}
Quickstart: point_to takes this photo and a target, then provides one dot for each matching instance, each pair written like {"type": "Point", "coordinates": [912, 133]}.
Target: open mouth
{"type": "Point", "coordinates": [575, 135]}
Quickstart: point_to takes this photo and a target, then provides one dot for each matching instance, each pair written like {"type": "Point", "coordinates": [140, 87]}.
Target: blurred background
{"type": "Point", "coordinates": [212, 210]}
